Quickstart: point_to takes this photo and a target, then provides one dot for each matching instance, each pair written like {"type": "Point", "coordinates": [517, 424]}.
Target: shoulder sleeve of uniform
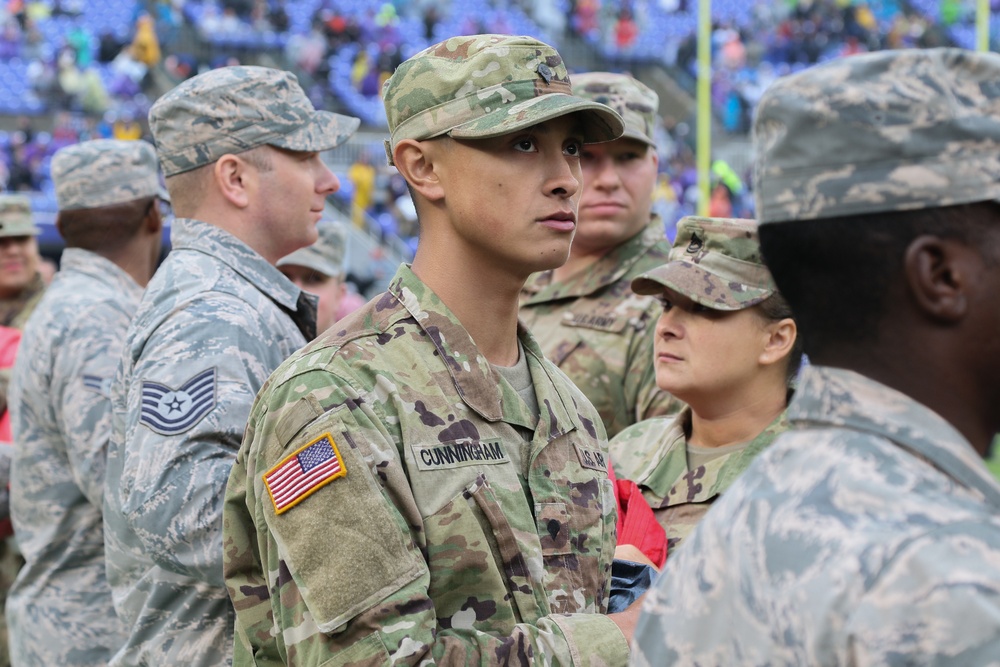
{"type": "Point", "coordinates": [936, 602]}
{"type": "Point", "coordinates": [326, 552]}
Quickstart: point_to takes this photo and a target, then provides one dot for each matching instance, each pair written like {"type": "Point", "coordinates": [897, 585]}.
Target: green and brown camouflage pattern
{"type": "Point", "coordinates": [653, 454]}
{"type": "Point", "coordinates": [886, 131]}
{"type": "Point", "coordinates": [415, 556]}
{"type": "Point", "coordinates": [233, 109]}
{"type": "Point", "coordinates": [16, 218]}
{"type": "Point", "coordinates": [634, 101]}
{"type": "Point", "coordinates": [600, 333]}
{"type": "Point", "coordinates": [326, 255]}
{"type": "Point", "coordinates": [715, 262]}
{"type": "Point", "coordinates": [103, 172]}
{"type": "Point", "coordinates": [483, 86]}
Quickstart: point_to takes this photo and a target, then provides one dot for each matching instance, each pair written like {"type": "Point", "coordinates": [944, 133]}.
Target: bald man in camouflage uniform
{"type": "Point", "coordinates": [240, 149]}
{"type": "Point", "coordinates": [420, 484]}
{"type": "Point", "coordinates": [586, 318]}
{"type": "Point", "coordinates": [59, 610]}
{"type": "Point", "coordinates": [869, 534]}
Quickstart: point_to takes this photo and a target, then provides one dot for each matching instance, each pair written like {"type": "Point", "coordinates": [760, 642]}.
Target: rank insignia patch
{"type": "Point", "coordinates": [298, 475]}
{"type": "Point", "coordinates": [98, 384]}
{"type": "Point", "coordinates": [172, 411]}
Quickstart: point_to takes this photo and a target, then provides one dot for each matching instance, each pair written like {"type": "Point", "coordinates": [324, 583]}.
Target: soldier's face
{"type": "Point", "coordinates": [18, 264]}
{"type": "Point", "coordinates": [511, 200]}
{"type": "Point", "coordinates": [330, 291]}
{"type": "Point", "coordinates": [702, 355]}
{"type": "Point", "coordinates": [292, 198]}
{"type": "Point", "coordinates": [619, 177]}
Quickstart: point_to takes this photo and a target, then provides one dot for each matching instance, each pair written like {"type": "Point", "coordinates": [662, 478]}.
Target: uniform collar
{"type": "Point", "coordinates": [838, 397]}
{"type": "Point", "coordinates": [606, 271]}
{"type": "Point", "coordinates": [478, 385]}
{"type": "Point", "coordinates": [198, 236]}
{"type": "Point", "coordinates": [99, 268]}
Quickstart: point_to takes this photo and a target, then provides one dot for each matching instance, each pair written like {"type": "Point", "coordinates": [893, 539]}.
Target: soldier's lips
{"type": "Point", "coordinates": [560, 222]}
{"type": "Point", "coordinates": [667, 358]}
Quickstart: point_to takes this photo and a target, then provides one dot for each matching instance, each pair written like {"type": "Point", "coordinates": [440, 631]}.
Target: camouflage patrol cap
{"type": "Point", "coordinates": [326, 255]}
{"type": "Point", "coordinates": [887, 131]}
{"type": "Point", "coordinates": [103, 172]}
{"type": "Point", "coordinates": [484, 86]}
{"type": "Point", "coordinates": [15, 216]}
{"type": "Point", "coordinates": [234, 109]}
{"type": "Point", "coordinates": [715, 262]}
{"type": "Point", "coordinates": [634, 101]}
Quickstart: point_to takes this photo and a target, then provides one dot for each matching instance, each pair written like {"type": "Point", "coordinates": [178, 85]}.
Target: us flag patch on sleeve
{"type": "Point", "coordinates": [303, 472]}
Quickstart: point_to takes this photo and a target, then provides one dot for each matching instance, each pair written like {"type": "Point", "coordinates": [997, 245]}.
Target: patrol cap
{"type": "Point", "coordinates": [634, 101]}
{"type": "Point", "coordinates": [482, 86]}
{"type": "Point", "coordinates": [715, 262]}
{"type": "Point", "coordinates": [103, 172]}
{"type": "Point", "coordinates": [887, 131]}
{"type": "Point", "coordinates": [235, 109]}
{"type": "Point", "coordinates": [326, 255]}
{"type": "Point", "coordinates": [15, 216]}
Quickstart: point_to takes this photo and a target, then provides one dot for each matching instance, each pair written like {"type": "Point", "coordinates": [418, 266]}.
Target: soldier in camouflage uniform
{"type": "Point", "coordinates": [319, 270]}
{"type": "Point", "coordinates": [726, 344]}
{"type": "Point", "coordinates": [240, 149]}
{"type": "Point", "coordinates": [21, 284]}
{"type": "Point", "coordinates": [584, 315]}
{"type": "Point", "coordinates": [59, 610]}
{"type": "Point", "coordinates": [869, 533]}
{"type": "Point", "coordinates": [420, 484]}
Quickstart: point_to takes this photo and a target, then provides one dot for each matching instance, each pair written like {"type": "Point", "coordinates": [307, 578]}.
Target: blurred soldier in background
{"type": "Point", "coordinates": [584, 314]}
{"type": "Point", "coordinates": [319, 270]}
{"type": "Point", "coordinates": [240, 147]}
{"type": "Point", "coordinates": [59, 610]}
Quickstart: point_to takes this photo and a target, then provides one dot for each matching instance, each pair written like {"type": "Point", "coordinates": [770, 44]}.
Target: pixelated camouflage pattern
{"type": "Point", "coordinates": [869, 534]}
{"type": "Point", "coordinates": [213, 303]}
{"type": "Point", "coordinates": [886, 131]}
{"type": "Point", "coordinates": [600, 333]}
{"type": "Point", "coordinates": [326, 255]}
{"type": "Point", "coordinates": [16, 218]}
{"type": "Point", "coordinates": [398, 562]}
{"type": "Point", "coordinates": [234, 109]}
{"type": "Point", "coordinates": [715, 262]}
{"type": "Point", "coordinates": [59, 610]}
{"type": "Point", "coordinates": [653, 454]}
{"type": "Point", "coordinates": [634, 101]}
{"type": "Point", "coordinates": [482, 86]}
{"type": "Point", "coordinates": [103, 172]}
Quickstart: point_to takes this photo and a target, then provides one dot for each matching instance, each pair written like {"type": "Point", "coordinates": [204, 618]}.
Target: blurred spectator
{"type": "Point", "coordinates": [145, 46]}
{"type": "Point", "coordinates": [362, 175]}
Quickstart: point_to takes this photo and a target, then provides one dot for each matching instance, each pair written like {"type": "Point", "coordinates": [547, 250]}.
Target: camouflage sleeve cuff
{"type": "Point", "coordinates": [593, 639]}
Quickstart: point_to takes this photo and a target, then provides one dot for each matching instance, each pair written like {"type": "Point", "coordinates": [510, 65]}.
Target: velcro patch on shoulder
{"type": "Point", "coordinates": [170, 411]}
{"type": "Point", "coordinates": [303, 472]}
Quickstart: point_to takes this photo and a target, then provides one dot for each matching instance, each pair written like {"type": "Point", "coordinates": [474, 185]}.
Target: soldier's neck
{"type": "Point", "coordinates": [577, 263]}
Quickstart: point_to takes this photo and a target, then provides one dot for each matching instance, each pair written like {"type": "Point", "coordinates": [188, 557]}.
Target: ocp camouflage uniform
{"type": "Point", "coordinates": [877, 550]}
{"type": "Point", "coordinates": [600, 333]}
{"type": "Point", "coordinates": [59, 609]}
{"type": "Point", "coordinates": [216, 319]}
{"type": "Point", "coordinates": [654, 455]}
{"type": "Point", "coordinates": [459, 530]}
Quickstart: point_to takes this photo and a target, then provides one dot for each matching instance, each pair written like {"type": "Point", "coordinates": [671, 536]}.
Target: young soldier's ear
{"type": "Point", "coordinates": [230, 174]}
{"type": "Point", "coordinates": [938, 273]}
{"type": "Point", "coordinates": [415, 160]}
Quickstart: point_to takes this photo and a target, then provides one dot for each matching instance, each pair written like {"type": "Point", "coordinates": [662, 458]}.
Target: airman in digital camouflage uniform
{"type": "Point", "coordinates": [59, 610]}
{"type": "Point", "coordinates": [734, 378]}
{"type": "Point", "coordinates": [240, 149]}
{"type": "Point", "coordinates": [586, 318]}
{"type": "Point", "coordinates": [869, 534]}
{"type": "Point", "coordinates": [420, 484]}
{"type": "Point", "coordinates": [319, 270]}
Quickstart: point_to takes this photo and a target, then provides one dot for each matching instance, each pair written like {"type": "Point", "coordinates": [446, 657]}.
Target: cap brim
{"type": "Point", "coordinates": [699, 285]}
{"type": "Point", "coordinates": [327, 130]}
{"type": "Point", "coordinates": [600, 122]}
{"type": "Point", "coordinates": [310, 259]}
